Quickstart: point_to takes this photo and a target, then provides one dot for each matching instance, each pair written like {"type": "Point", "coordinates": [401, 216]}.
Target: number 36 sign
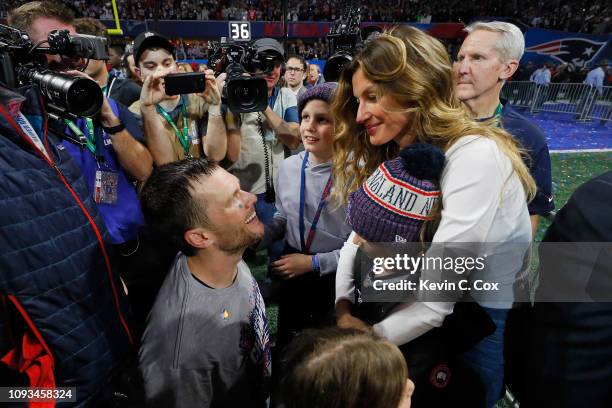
{"type": "Point", "coordinates": [240, 30]}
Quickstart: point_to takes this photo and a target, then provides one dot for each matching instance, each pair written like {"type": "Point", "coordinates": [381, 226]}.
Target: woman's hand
{"type": "Point", "coordinates": [292, 265]}
{"type": "Point", "coordinates": [348, 321]}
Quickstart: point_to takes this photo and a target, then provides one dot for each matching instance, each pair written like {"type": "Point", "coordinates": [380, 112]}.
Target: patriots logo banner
{"type": "Point", "coordinates": [576, 50]}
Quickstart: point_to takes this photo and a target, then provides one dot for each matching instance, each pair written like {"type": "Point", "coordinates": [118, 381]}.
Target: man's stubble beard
{"type": "Point", "coordinates": [238, 241]}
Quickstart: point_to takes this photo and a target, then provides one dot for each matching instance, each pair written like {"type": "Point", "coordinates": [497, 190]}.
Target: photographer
{"type": "Point", "coordinates": [113, 153]}
{"type": "Point", "coordinates": [120, 89]}
{"type": "Point", "coordinates": [258, 147]}
{"type": "Point", "coordinates": [64, 321]}
{"type": "Point", "coordinates": [171, 122]}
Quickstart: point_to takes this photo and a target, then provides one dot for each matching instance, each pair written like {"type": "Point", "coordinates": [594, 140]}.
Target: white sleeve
{"type": "Point", "coordinates": [345, 281]}
{"type": "Point", "coordinates": [412, 321]}
{"type": "Point", "coordinates": [471, 191]}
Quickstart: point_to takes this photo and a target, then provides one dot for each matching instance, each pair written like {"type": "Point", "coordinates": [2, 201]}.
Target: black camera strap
{"type": "Point", "coordinates": [270, 196]}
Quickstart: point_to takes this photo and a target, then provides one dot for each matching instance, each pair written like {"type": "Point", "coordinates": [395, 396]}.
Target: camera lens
{"type": "Point", "coordinates": [247, 94]}
{"type": "Point", "coordinates": [335, 64]}
{"type": "Point", "coordinates": [79, 96]}
{"type": "Point", "coordinates": [84, 98]}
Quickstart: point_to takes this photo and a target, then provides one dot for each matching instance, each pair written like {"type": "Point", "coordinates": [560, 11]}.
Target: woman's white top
{"type": "Point", "coordinates": [483, 202]}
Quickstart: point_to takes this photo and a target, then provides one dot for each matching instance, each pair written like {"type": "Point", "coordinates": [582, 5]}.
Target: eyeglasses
{"type": "Point", "coordinates": [297, 70]}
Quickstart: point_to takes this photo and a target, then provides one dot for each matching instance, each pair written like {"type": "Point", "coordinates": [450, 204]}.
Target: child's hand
{"type": "Point", "coordinates": [348, 321]}
{"type": "Point", "coordinates": [292, 265]}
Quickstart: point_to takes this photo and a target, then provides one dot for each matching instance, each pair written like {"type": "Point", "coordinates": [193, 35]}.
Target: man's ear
{"type": "Point", "coordinates": [138, 73]}
{"type": "Point", "coordinates": [509, 69]}
{"type": "Point", "coordinates": [200, 238]}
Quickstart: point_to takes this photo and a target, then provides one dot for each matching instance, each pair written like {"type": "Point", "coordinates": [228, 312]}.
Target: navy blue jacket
{"type": "Point", "coordinates": [532, 139]}
{"type": "Point", "coordinates": [56, 283]}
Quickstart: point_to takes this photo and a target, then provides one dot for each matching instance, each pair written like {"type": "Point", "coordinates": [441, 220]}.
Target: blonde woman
{"type": "Point", "coordinates": [399, 91]}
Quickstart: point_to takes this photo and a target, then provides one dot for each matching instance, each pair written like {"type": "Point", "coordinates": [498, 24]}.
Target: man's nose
{"type": "Point", "coordinates": [251, 200]}
{"type": "Point", "coordinates": [462, 66]}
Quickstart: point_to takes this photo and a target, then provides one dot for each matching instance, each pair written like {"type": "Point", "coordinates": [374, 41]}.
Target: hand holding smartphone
{"type": "Point", "coordinates": [185, 83]}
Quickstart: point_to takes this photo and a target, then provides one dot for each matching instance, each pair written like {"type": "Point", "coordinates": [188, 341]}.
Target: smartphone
{"type": "Point", "coordinates": [185, 83]}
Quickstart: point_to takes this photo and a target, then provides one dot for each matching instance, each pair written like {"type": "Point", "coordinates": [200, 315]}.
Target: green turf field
{"type": "Point", "coordinates": [569, 170]}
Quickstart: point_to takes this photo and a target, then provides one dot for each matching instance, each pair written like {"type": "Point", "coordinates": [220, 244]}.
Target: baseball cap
{"type": "Point", "coordinates": [150, 39]}
{"type": "Point", "coordinates": [269, 45]}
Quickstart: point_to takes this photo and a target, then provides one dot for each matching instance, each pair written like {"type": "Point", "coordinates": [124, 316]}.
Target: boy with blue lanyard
{"type": "Point", "coordinates": [313, 228]}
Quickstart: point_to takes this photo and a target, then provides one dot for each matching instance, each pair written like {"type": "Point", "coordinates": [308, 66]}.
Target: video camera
{"type": "Point", "coordinates": [242, 93]}
{"type": "Point", "coordinates": [346, 39]}
{"type": "Point", "coordinates": [23, 62]}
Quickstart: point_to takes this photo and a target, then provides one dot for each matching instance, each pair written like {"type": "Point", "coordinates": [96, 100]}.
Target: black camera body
{"type": "Point", "coordinates": [346, 39]}
{"type": "Point", "coordinates": [23, 62]}
{"type": "Point", "coordinates": [246, 90]}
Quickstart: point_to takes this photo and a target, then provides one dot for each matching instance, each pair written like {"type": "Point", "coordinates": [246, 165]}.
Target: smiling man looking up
{"type": "Point", "coordinates": [206, 340]}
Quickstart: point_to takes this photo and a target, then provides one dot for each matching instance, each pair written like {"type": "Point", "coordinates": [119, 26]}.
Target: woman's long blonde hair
{"type": "Point", "coordinates": [415, 69]}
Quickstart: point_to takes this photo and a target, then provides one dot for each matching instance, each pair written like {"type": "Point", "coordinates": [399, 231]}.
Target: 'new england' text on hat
{"type": "Point", "coordinates": [399, 196]}
{"type": "Point", "coordinates": [395, 201]}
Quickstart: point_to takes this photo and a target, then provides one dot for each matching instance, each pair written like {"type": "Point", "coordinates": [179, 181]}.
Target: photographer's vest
{"type": "Point", "coordinates": [250, 166]}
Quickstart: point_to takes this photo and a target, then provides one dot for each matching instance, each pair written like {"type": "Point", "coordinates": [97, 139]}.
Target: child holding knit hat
{"type": "Point", "coordinates": [390, 207]}
{"type": "Point", "coordinates": [313, 228]}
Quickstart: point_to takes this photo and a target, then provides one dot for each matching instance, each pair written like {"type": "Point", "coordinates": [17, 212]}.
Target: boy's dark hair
{"type": "Point", "coordinates": [117, 48]}
{"type": "Point", "coordinates": [23, 16]}
{"type": "Point", "coordinates": [301, 59]}
{"type": "Point", "coordinates": [168, 201]}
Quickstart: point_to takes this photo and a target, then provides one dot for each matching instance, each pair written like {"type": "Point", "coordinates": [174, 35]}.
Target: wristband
{"type": "Point", "coordinates": [316, 267]}
{"type": "Point", "coordinates": [113, 129]}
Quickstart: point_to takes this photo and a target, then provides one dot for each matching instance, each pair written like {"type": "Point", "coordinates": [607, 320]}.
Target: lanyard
{"type": "Point", "coordinates": [106, 90]}
{"type": "Point", "coordinates": [315, 220]}
{"type": "Point", "coordinates": [90, 139]}
{"type": "Point", "coordinates": [496, 114]}
{"type": "Point", "coordinates": [184, 136]}
{"type": "Point", "coordinates": [29, 131]}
